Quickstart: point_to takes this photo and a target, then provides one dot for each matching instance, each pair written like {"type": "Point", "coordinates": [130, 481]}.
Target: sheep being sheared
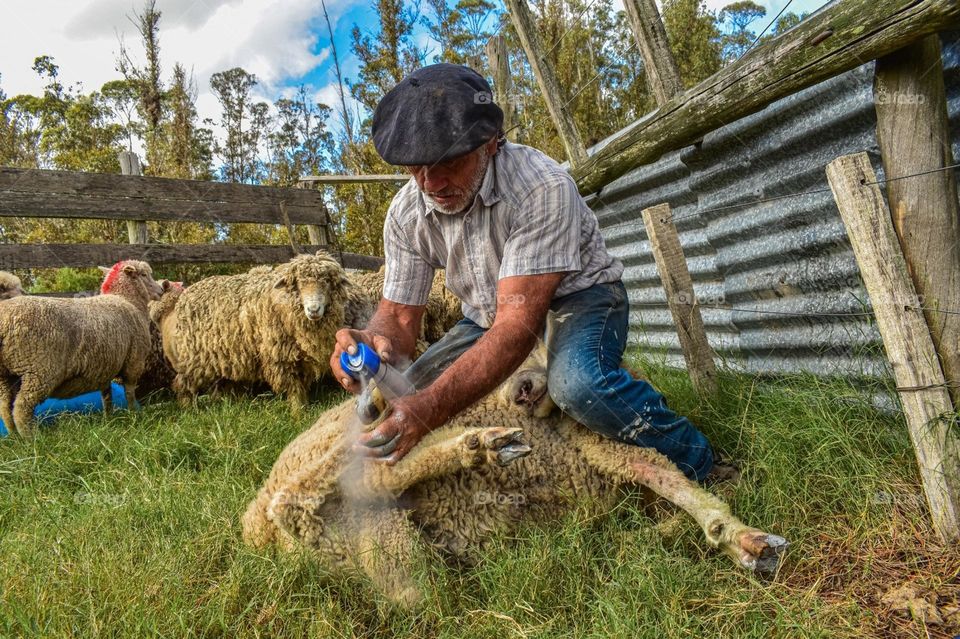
{"type": "Point", "coordinates": [66, 347]}
{"type": "Point", "coordinates": [271, 325]}
{"type": "Point", "coordinates": [10, 286]}
{"type": "Point", "coordinates": [358, 515]}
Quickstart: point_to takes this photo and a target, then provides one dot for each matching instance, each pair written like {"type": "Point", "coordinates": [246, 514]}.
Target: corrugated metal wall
{"type": "Point", "coordinates": [788, 257]}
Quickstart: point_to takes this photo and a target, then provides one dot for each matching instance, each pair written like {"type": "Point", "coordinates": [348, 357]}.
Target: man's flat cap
{"type": "Point", "coordinates": [435, 114]}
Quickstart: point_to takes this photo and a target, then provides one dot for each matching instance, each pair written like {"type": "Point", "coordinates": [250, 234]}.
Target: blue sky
{"type": "Point", "coordinates": [284, 42]}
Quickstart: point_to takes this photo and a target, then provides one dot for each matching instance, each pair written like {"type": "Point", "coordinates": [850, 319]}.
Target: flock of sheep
{"type": "Point", "coordinates": [271, 326]}
{"type": "Point", "coordinates": [506, 461]}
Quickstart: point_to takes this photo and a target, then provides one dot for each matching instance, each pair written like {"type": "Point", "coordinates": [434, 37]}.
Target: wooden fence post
{"type": "Point", "coordinates": [916, 370]}
{"type": "Point", "coordinates": [316, 233]}
{"type": "Point", "coordinates": [914, 136]}
{"type": "Point", "coordinates": [499, 62]}
{"type": "Point", "coordinates": [136, 229]}
{"type": "Point", "coordinates": [663, 76]}
{"type": "Point", "coordinates": [665, 245]}
{"type": "Point", "coordinates": [526, 26]}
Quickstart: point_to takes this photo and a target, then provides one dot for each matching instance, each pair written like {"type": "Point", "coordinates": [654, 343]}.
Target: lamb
{"type": "Point", "coordinates": [268, 325]}
{"type": "Point", "coordinates": [488, 470]}
{"type": "Point", "coordinates": [366, 288]}
{"type": "Point", "coordinates": [66, 347]}
{"type": "Point", "coordinates": [10, 286]}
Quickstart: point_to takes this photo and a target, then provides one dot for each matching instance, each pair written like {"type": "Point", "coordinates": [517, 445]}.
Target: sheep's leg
{"type": "Point", "coordinates": [751, 548]}
{"type": "Point", "coordinates": [387, 548]}
{"type": "Point", "coordinates": [442, 454]}
{"type": "Point", "coordinates": [32, 391]}
{"type": "Point", "coordinates": [185, 391]}
{"type": "Point", "coordinates": [107, 396]}
{"type": "Point", "coordinates": [6, 404]}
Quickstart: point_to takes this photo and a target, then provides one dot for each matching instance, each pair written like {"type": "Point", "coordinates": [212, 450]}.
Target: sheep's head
{"type": "Point", "coordinates": [313, 280]}
{"type": "Point", "coordinates": [526, 390]}
{"type": "Point", "coordinates": [10, 286]}
{"type": "Point", "coordinates": [132, 279]}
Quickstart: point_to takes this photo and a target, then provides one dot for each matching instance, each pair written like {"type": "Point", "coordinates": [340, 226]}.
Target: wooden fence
{"type": "Point", "coordinates": [66, 194]}
{"type": "Point", "coordinates": [921, 343]}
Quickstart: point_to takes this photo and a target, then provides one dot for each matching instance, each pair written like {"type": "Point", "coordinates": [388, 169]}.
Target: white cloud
{"type": "Point", "coordinates": [273, 39]}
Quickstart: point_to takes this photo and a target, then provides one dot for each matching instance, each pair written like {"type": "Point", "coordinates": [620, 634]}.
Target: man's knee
{"type": "Point", "coordinates": [573, 388]}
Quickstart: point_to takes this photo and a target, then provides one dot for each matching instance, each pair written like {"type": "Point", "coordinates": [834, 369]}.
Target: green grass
{"type": "Point", "coordinates": [129, 526]}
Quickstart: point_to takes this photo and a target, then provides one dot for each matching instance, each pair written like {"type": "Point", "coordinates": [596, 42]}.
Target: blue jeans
{"type": "Point", "coordinates": [586, 337]}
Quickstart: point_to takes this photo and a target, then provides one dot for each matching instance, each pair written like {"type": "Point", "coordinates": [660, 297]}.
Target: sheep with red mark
{"type": "Point", "coordinates": [10, 286]}
{"type": "Point", "coordinates": [66, 347]}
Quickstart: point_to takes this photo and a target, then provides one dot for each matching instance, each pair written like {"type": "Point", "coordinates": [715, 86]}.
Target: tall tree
{"type": "Point", "coordinates": [737, 18]}
{"type": "Point", "coordinates": [694, 39]}
{"type": "Point", "coordinates": [300, 144]}
{"type": "Point", "coordinates": [243, 122]}
{"type": "Point", "coordinates": [147, 79]}
{"type": "Point", "coordinates": [187, 151]}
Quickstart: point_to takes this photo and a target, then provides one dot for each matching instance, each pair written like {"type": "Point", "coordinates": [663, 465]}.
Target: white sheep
{"type": "Point", "coordinates": [62, 348]}
{"type": "Point", "coordinates": [446, 493]}
{"type": "Point", "coordinates": [273, 325]}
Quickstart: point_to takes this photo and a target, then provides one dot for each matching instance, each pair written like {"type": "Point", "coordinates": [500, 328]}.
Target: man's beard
{"type": "Point", "coordinates": [468, 194]}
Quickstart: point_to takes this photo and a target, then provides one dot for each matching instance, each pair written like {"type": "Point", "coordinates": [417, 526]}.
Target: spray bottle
{"type": "Point", "coordinates": [365, 365]}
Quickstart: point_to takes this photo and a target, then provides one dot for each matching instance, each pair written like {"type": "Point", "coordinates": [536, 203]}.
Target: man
{"type": "Point", "coordinates": [518, 244]}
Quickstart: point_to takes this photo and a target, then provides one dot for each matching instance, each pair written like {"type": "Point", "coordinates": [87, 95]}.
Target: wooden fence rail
{"type": "Point", "coordinates": [840, 37]}
{"type": "Point", "coordinates": [69, 194]}
{"type": "Point", "coordinates": [85, 255]}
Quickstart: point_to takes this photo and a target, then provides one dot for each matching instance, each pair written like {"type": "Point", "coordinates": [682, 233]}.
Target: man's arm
{"type": "Point", "coordinates": [523, 302]}
{"type": "Point", "coordinates": [392, 331]}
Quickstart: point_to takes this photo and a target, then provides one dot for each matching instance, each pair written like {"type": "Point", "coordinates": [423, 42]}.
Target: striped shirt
{"type": "Point", "coordinates": [527, 219]}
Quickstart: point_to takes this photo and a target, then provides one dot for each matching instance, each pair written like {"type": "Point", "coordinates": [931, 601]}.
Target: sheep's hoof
{"type": "Point", "coordinates": [504, 445]}
{"type": "Point", "coordinates": [761, 552]}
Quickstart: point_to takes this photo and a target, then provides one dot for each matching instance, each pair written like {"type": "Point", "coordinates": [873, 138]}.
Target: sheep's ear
{"type": "Point", "coordinates": [130, 269]}
{"type": "Point", "coordinates": [280, 282]}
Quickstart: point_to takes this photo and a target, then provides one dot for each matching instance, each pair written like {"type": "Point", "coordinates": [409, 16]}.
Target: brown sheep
{"type": "Point", "coordinates": [268, 325]}
{"type": "Point", "coordinates": [464, 482]}
{"type": "Point", "coordinates": [66, 347]}
{"type": "Point", "coordinates": [10, 286]}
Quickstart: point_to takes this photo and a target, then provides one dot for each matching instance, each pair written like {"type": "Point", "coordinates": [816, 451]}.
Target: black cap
{"type": "Point", "coordinates": [435, 114]}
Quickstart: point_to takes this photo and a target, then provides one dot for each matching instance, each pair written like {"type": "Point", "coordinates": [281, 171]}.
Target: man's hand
{"type": "Point", "coordinates": [410, 420]}
{"type": "Point", "coordinates": [347, 340]}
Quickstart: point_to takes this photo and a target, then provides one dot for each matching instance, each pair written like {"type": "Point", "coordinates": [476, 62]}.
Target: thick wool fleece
{"type": "Point", "coordinates": [459, 487]}
{"type": "Point", "coordinates": [366, 288]}
{"type": "Point", "coordinates": [252, 327]}
{"type": "Point", "coordinates": [65, 347]}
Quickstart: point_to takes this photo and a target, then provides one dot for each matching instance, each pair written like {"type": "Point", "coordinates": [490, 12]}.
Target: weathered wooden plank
{"type": "Point", "coordinates": [137, 231]}
{"type": "Point", "coordinates": [906, 338]}
{"type": "Point", "coordinates": [840, 37]}
{"type": "Point", "coordinates": [663, 76]}
{"type": "Point", "coordinates": [526, 28]}
{"type": "Point", "coordinates": [69, 194]}
{"type": "Point", "coordinates": [498, 60]}
{"type": "Point", "coordinates": [355, 179]}
{"type": "Point", "coordinates": [678, 285]}
{"type": "Point", "coordinates": [914, 136]}
{"type": "Point", "coordinates": [86, 255]}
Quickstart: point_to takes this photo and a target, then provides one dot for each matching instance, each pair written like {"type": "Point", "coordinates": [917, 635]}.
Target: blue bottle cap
{"type": "Point", "coordinates": [363, 362]}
